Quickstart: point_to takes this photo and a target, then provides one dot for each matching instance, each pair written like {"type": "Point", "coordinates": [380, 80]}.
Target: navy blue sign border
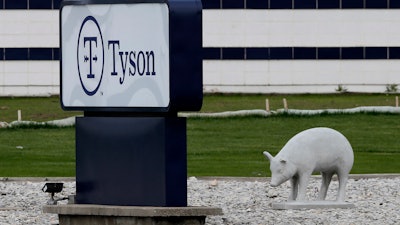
{"type": "Point", "coordinates": [185, 46]}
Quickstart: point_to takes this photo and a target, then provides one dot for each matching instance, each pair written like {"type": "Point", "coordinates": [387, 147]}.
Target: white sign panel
{"type": "Point", "coordinates": [115, 55]}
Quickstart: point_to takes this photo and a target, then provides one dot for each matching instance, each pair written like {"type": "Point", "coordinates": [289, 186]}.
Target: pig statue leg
{"type": "Point", "coordinates": [326, 180]}
{"type": "Point", "coordinates": [294, 182]}
{"type": "Point", "coordinates": [303, 182]}
{"type": "Point", "coordinates": [342, 177]}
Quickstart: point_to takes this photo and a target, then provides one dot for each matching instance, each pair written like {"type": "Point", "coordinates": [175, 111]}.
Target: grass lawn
{"type": "Point", "coordinates": [231, 102]}
{"type": "Point", "coordinates": [32, 109]}
{"type": "Point", "coordinates": [234, 146]}
{"type": "Point", "coordinates": [216, 146]}
{"type": "Point", "coordinates": [46, 152]}
{"type": "Point", "coordinates": [48, 108]}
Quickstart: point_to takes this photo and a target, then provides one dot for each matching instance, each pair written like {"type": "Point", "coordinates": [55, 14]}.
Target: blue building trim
{"type": "Point", "coordinates": [15, 4]}
{"type": "Point", "coordinates": [41, 4]}
{"type": "Point", "coordinates": [302, 53]}
{"type": "Point", "coordinates": [237, 4]}
{"type": "Point", "coordinates": [301, 4]}
{"type": "Point", "coordinates": [256, 53]}
{"type": "Point", "coordinates": [30, 4]}
{"type": "Point", "coordinates": [23, 54]}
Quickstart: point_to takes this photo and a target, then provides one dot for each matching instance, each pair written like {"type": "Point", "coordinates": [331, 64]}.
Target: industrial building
{"type": "Point", "coordinates": [249, 46]}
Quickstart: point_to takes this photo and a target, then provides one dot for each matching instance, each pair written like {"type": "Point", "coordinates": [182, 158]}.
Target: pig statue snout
{"type": "Point", "coordinates": [274, 184]}
{"type": "Point", "coordinates": [281, 170]}
{"type": "Point", "coordinates": [314, 150]}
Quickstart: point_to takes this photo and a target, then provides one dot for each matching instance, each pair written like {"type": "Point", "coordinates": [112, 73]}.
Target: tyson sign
{"type": "Point", "coordinates": [116, 57]}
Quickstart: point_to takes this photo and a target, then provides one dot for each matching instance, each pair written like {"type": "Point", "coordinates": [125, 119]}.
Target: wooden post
{"type": "Point", "coordinates": [19, 115]}
{"type": "Point", "coordinates": [397, 101]}
{"type": "Point", "coordinates": [285, 106]}
{"type": "Point", "coordinates": [267, 105]}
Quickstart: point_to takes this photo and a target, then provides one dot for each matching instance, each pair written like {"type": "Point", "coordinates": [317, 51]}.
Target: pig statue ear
{"type": "Point", "coordinates": [268, 156]}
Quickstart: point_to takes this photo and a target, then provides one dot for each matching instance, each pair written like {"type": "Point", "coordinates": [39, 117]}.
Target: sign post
{"type": "Point", "coordinates": [131, 65]}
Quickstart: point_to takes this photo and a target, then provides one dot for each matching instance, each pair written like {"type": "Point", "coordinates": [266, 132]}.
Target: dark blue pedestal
{"type": "Point", "coordinates": [133, 161]}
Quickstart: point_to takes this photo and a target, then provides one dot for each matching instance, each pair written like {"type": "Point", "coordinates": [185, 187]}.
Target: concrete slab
{"type": "Point", "coordinates": [139, 211]}
{"type": "Point", "coordinates": [80, 214]}
{"type": "Point", "coordinates": [312, 205]}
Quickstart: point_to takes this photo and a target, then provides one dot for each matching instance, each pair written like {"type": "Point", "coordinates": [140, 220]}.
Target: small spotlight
{"type": "Point", "coordinates": [53, 188]}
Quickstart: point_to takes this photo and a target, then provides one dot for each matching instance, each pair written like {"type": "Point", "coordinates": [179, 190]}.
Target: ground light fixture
{"type": "Point", "coordinates": [53, 188]}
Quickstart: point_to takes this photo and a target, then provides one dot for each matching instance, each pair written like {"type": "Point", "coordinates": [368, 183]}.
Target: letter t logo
{"type": "Point", "coordinates": [90, 58]}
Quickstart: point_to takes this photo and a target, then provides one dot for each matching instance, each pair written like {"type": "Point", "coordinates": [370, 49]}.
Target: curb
{"type": "Point", "coordinates": [263, 179]}
{"type": "Point", "coordinates": [206, 178]}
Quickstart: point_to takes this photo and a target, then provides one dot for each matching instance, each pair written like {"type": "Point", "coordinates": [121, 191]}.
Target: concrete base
{"type": "Point", "coordinates": [82, 214]}
{"type": "Point", "coordinates": [312, 205]}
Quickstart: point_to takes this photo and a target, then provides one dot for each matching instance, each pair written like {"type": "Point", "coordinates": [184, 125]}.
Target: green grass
{"type": "Point", "coordinates": [216, 146]}
{"type": "Point", "coordinates": [48, 108]}
{"type": "Point", "coordinates": [231, 102]}
{"type": "Point", "coordinates": [234, 146]}
{"type": "Point", "coordinates": [30, 152]}
{"type": "Point", "coordinates": [32, 109]}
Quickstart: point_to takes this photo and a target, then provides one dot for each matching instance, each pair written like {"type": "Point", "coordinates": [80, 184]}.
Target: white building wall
{"type": "Point", "coordinates": [29, 78]}
{"type": "Point", "coordinates": [299, 76]}
{"type": "Point", "coordinates": [300, 28]}
{"type": "Point", "coordinates": [29, 29]}
{"type": "Point", "coordinates": [235, 28]}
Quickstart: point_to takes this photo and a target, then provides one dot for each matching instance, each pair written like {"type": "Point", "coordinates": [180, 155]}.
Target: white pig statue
{"type": "Point", "coordinates": [314, 150]}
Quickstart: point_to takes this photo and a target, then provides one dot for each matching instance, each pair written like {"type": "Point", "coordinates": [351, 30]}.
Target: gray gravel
{"type": "Point", "coordinates": [244, 201]}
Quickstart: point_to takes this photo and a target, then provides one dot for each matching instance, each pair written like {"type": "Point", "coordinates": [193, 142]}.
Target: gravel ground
{"type": "Point", "coordinates": [244, 201]}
